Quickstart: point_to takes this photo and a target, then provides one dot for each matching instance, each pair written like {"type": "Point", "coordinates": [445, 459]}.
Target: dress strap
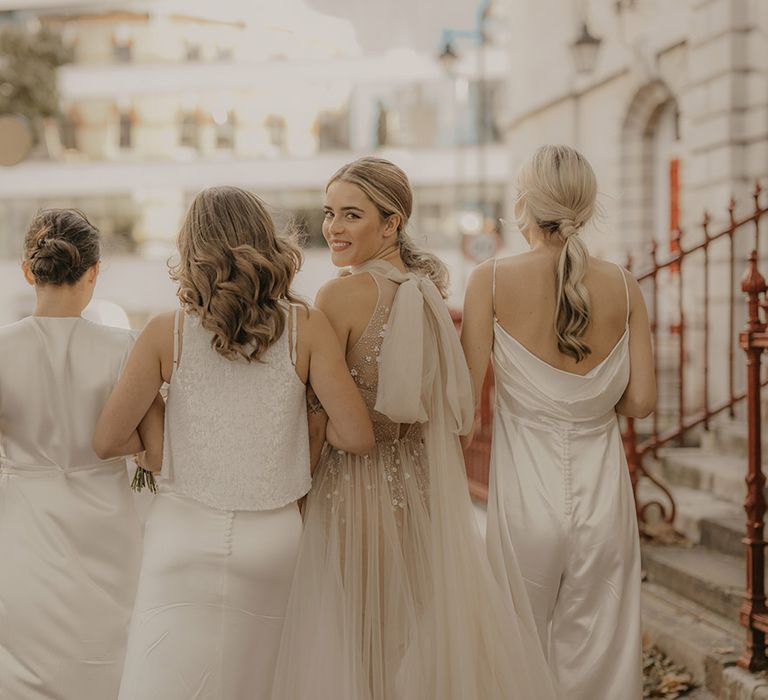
{"type": "Point", "coordinates": [176, 339]}
{"type": "Point", "coordinates": [293, 334]}
{"type": "Point", "coordinates": [626, 290]}
{"type": "Point", "coordinates": [493, 289]}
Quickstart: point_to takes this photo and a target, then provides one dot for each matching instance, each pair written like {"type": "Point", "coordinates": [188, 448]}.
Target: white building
{"type": "Point", "coordinates": [165, 98]}
{"type": "Point", "coordinates": [678, 85]}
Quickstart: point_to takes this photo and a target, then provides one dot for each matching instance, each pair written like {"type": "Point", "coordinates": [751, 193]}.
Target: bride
{"type": "Point", "coordinates": [392, 597]}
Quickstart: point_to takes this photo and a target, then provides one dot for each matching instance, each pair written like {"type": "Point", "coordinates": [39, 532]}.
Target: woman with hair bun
{"type": "Point", "coordinates": [221, 535]}
{"type": "Point", "coordinates": [393, 597]}
{"type": "Point", "coordinates": [69, 534]}
{"type": "Point", "coordinates": [571, 348]}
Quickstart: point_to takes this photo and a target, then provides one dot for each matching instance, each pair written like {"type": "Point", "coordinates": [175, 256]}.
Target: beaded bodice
{"type": "Point", "coordinates": [363, 362]}
{"type": "Point", "coordinates": [396, 466]}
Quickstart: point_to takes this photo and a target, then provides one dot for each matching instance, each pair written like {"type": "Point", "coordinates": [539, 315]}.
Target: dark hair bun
{"type": "Point", "coordinates": [60, 246]}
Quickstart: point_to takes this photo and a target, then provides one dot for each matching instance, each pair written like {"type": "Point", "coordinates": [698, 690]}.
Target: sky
{"type": "Point", "coordinates": [378, 24]}
{"type": "Point", "coordinates": [417, 24]}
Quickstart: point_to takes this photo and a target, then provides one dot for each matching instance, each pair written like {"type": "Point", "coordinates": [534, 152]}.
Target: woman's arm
{"type": "Point", "coordinates": [639, 397]}
{"type": "Point", "coordinates": [477, 325]}
{"type": "Point", "coordinates": [136, 390]}
{"type": "Point", "coordinates": [151, 431]}
{"type": "Point", "coordinates": [318, 423]}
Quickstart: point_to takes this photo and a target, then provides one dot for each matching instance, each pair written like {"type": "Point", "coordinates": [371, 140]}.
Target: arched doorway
{"type": "Point", "coordinates": [650, 167]}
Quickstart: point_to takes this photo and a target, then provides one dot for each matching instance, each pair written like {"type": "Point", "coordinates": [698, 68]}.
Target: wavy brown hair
{"type": "Point", "coordinates": [387, 186]}
{"type": "Point", "coordinates": [235, 271]}
{"type": "Point", "coordinates": [558, 191]}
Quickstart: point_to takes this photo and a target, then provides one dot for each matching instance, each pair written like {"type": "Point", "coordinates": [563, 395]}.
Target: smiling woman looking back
{"type": "Point", "coordinates": [571, 347]}
{"type": "Point", "coordinates": [393, 597]}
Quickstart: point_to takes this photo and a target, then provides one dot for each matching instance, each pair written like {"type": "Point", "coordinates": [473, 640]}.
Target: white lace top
{"type": "Point", "coordinates": [236, 434]}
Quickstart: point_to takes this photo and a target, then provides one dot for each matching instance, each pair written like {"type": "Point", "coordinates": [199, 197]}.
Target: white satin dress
{"type": "Point", "coordinates": [561, 510]}
{"type": "Point", "coordinates": [69, 534]}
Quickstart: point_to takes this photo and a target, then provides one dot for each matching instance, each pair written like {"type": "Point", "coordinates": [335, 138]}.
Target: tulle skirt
{"type": "Point", "coordinates": [389, 604]}
{"type": "Point", "coordinates": [211, 601]}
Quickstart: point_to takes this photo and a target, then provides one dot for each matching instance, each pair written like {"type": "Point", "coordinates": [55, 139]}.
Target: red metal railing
{"type": "Point", "coordinates": [692, 371]}
{"type": "Point", "coordinates": [754, 341]}
{"type": "Point", "coordinates": [681, 327]}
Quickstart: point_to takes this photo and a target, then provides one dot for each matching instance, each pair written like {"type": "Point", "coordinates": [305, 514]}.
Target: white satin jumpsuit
{"type": "Point", "coordinates": [561, 509]}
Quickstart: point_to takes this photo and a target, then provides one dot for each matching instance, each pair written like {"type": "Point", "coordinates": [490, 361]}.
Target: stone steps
{"type": "Point", "coordinates": [706, 644]}
{"type": "Point", "coordinates": [719, 474]}
{"type": "Point", "coordinates": [705, 519]}
{"type": "Point", "coordinates": [692, 594]}
{"type": "Point", "coordinates": [711, 579]}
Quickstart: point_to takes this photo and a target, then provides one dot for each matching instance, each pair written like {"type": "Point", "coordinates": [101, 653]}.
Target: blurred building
{"type": "Point", "coordinates": [165, 98]}
{"type": "Point", "coordinates": [670, 104]}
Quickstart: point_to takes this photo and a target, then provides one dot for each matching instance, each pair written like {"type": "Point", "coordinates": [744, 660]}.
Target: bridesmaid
{"type": "Point", "coordinates": [222, 534]}
{"type": "Point", "coordinates": [571, 348]}
{"type": "Point", "coordinates": [69, 535]}
{"type": "Point", "coordinates": [393, 597]}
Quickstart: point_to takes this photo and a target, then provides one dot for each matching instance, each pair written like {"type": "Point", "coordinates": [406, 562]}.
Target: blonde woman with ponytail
{"type": "Point", "coordinates": [570, 344]}
{"type": "Point", "coordinates": [393, 597]}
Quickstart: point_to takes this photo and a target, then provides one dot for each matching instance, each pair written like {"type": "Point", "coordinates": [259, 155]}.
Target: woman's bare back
{"type": "Point", "coordinates": [525, 308]}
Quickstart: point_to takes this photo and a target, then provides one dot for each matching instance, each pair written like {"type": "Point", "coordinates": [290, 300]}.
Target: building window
{"type": "Point", "coordinates": [126, 130]}
{"type": "Point", "coordinates": [122, 53]}
{"type": "Point", "coordinates": [189, 131]}
{"type": "Point", "coordinates": [486, 97]}
{"type": "Point", "coordinates": [194, 52]}
{"type": "Point", "coordinates": [224, 53]}
{"type": "Point", "coordinates": [225, 130]}
{"type": "Point", "coordinates": [68, 132]}
{"type": "Point", "coordinates": [382, 124]}
{"type": "Point", "coordinates": [333, 131]}
{"type": "Point", "coordinates": [276, 130]}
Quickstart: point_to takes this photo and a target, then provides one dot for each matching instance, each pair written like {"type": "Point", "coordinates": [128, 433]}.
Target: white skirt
{"type": "Point", "coordinates": [212, 596]}
{"type": "Point", "coordinates": [69, 559]}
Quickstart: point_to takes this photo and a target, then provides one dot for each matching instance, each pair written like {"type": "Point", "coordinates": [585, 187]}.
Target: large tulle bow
{"type": "Point", "coordinates": [421, 354]}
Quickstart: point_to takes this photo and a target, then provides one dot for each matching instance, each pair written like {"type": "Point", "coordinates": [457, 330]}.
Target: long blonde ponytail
{"type": "Point", "coordinates": [558, 190]}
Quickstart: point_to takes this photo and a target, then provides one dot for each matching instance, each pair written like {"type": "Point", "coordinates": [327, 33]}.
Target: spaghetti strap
{"type": "Point", "coordinates": [493, 289]}
{"type": "Point", "coordinates": [626, 291]}
{"type": "Point", "coordinates": [293, 334]}
{"type": "Point", "coordinates": [176, 339]}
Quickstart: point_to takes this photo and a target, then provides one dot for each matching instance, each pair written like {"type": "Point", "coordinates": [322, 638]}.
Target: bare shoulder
{"type": "Point", "coordinates": [612, 271]}
{"type": "Point", "coordinates": [340, 287]}
{"type": "Point", "coordinates": [482, 273]}
{"type": "Point", "coordinates": [159, 329]}
{"type": "Point", "coordinates": [522, 269]}
{"type": "Point", "coordinates": [345, 295]}
{"type": "Point", "coordinates": [310, 318]}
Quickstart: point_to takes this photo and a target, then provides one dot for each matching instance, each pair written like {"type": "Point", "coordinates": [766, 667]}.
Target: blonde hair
{"type": "Point", "coordinates": [235, 271]}
{"type": "Point", "coordinates": [387, 186]}
{"type": "Point", "coordinates": [557, 192]}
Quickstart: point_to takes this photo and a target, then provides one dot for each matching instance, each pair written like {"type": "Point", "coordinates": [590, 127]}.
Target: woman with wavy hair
{"type": "Point", "coordinates": [70, 538]}
{"type": "Point", "coordinates": [222, 534]}
{"type": "Point", "coordinates": [570, 344]}
{"type": "Point", "coordinates": [393, 597]}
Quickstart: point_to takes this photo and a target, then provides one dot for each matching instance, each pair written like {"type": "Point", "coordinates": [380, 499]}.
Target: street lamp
{"type": "Point", "coordinates": [448, 58]}
{"type": "Point", "coordinates": [473, 223]}
{"type": "Point", "coordinates": [585, 49]}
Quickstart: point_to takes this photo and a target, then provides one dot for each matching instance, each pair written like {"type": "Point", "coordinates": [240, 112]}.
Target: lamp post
{"type": "Point", "coordinates": [584, 50]}
{"type": "Point", "coordinates": [449, 58]}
